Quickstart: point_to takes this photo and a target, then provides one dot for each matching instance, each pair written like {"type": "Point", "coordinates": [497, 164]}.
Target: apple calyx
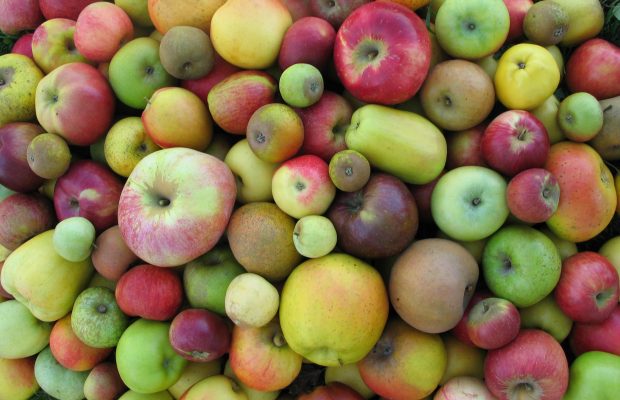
{"type": "Point", "coordinates": [278, 339]}
{"type": "Point", "coordinates": [383, 348]}
{"type": "Point", "coordinates": [369, 51]}
{"type": "Point", "coordinates": [5, 75]}
{"type": "Point", "coordinates": [527, 389]}
{"type": "Point", "coordinates": [102, 309]}
{"type": "Point", "coordinates": [602, 298]}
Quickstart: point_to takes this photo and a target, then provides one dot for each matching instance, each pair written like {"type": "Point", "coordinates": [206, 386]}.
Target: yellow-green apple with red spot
{"type": "Point", "coordinates": [103, 382]}
{"type": "Point", "coordinates": [126, 143]}
{"type": "Point", "coordinates": [17, 379]}
{"type": "Point", "coordinates": [25, 335]}
{"type": "Point", "coordinates": [309, 40]}
{"type": "Point", "coordinates": [19, 77]}
{"type": "Point", "coordinates": [53, 44]}
{"type": "Point", "coordinates": [275, 132]}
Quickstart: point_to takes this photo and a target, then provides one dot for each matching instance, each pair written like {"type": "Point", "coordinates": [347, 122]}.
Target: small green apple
{"type": "Point", "coordinates": [314, 236]}
{"type": "Point", "coordinates": [73, 238]}
{"type": "Point", "coordinates": [580, 116]}
{"type": "Point", "coordinates": [251, 300]}
{"type": "Point", "coordinates": [97, 319]}
{"type": "Point", "coordinates": [301, 85]}
{"type": "Point", "coordinates": [56, 380]}
{"type": "Point", "coordinates": [610, 249]}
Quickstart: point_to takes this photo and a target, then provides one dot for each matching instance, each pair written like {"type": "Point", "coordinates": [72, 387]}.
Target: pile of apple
{"type": "Point", "coordinates": [214, 200]}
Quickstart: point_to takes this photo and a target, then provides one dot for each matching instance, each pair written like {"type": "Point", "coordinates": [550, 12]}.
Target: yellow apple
{"type": "Point", "coordinates": [194, 372]}
{"type": "Point", "coordinates": [585, 20]}
{"type": "Point", "coordinates": [19, 77]}
{"type": "Point", "coordinates": [463, 359]}
{"type": "Point", "coordinates": [126, 143]}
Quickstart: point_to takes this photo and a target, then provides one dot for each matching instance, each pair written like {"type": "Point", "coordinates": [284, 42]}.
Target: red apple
{"type": "Point", "coordinates": [460, 330]}
{"type": "Point", "coordinates": [88, 190]}
{"type": "Point", "coordinates": [325, 124]}
{"type": "Point", "coordinates": [588, 288]}
{"type": "Point", "coordinates": [149, 292]}
{"type": "Point", "coordinates": [19, 15]}
{"type": "Point", "coordinates": [594, 67]}
{"type": "Point", "coordinates": [23, 45]}
{"type": "Point", "coordinates": [104, 383]}
{"type": "Point", "coordinates": [15, 173]}
{"type": "Point", "coordinates": [309, 40]}
{"type": "Point", "coordinates": [422, 195]}
{"type": "Point", "coordinates": [199, 335]}
{"type": "Point", "coordinates": [334, 11]}
{"type": "Point", "coordinates": [533, 195]}
{"type": "Point", "coordinates": [514, 141]}
{"type": "Point", "coordinates": [222, 69]}
{"type": "Point", "coordinates": [602, 336]}
{"type": "Point", "coordinates": [332, 391]}
{"type": "Point", "coordinates": [298, 8]}
{"type": "Point", "coordinates": [53, 45]}
{"type": "Point", "coordinates": [382, 53]}
{"type": "Point", "coordinates": [533, 366]}
{"type": "Point", "coordinates": [516, 10]}
{"type": "Point", "coordinates": [464, 147]}
{"type": "Point", "coordinates": [380, 220]}
{"type": "Point", "coordinates": [493, 323]}
{"type": "Point", "coordinates": [63, 8]}
{"type": "Point", "coordinates": [76, 102]}
{"type": "Point", "coordinates": [24, 216]}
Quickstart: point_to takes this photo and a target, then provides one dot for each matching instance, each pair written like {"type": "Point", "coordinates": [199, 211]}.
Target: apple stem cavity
{"type": "Point", "coordinates": [525, 391]}
{"type": "Point", "coordinates": [476, 202]}
{"type": "Point", "coordinates": [521, 65]}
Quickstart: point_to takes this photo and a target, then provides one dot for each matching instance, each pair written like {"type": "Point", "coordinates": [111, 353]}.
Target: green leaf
{"type": "Point", "coordinates": [616, 12]}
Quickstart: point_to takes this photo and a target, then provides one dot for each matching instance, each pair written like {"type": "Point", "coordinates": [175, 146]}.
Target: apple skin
{"type": "Point", "coordinates": [332, 391]}
{"type": "Point", "coordinates": [24, 334]}
{"type": "Point", "coordinates": [547, 315]}
{"type": "Point", "coordinates": [309, 40]}
{"type": "Point", "coordinates": [594, 67]}
{"type": "Point", "coordinates": [593, 375]}
{"type": "Point", "coordinates": [56, 380]}
{"type": "Point", "coordinates": [588, 288]}
{"type": "Point", "coordinates": [517, 9]}
{"type": "Point", "coordinates": [460, 329]}
{"type": "Point", "coordinates": [533, 195]}
{"type": "Point", "coordinates": [463, 359]}
{"type": "Point", "coordinates": [19, 15]}
{"type": "Point", "coordinates": [275, 132]}
{"type": "Point", "coordinates": [377, 42]}
{"type": "Point", "coordinates": [378, 221]}
{"type": "Point", "coordinates": [76, 102]}
{"type": "Point", "coordinates": [201, 87]}
{"type": "Point", "coordinates": [533, 364]}
{"type": "Point", "coordinates": [464, 387]}
{"type": "Point", "coordinates": [15, 173]}
{"type": "Point", "coordinates": [199, 335]}
{"type": "Point", "coordinates": [53, 45]}
{"type": "Point", "coordinates": [104, 382]}
{"type": "Point", "coordinates": [149, 292]}
{"type": "Point", "coordinates": [63, 8]}
{"type": "Point", "coordinates": [334, 12]}
{"type": "Point", "coordinates": [602, 336]}
{"type": "Point", "coordinates": [215, 387]}
{"type": "Point", "coordinates": [193, 373]}
{"type": "Point", "coordinates": [23, 45]}
{"type": "Point", "coordinates": [464, 147]}
{"type": "Point", "coordinates": [111, 257]}
{"type": "Point", "coordinates": [194, 219]}
{"type": "Point", "coordinates": [493, 322]}
{"type": "Point", "coordinates": [88, 190]}
{"type": "Point", "coordinates": [24, 216]}
{"type": "Point", "coordinates": [514, 141]}
{"type": "Point", "coordinates": [17, 379]}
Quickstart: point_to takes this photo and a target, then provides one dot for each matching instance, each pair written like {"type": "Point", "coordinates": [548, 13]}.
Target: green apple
{"type": "Point", "coordinates": [136, 72]}
{"type": "Point", "coordinates": [22, 334]}
{"type": "Point", "coordinates": [521, 264]}
{"type": "Point", "coordinates": [594, 375]}
{"type": "Point", "coordinates": [565, 247]}
{"type": "Point", "coordinates": [194, 372]}
{"type": "Point", "coordinates": [97, 319]}
{"type": "Point", "coordinates": [547, 113]}
{"type": "Point", "coordinates": [137, 10]}
{"type": "Point", "coordinates": [126, 143]}
{"type": "Point", "coordinates": [547, 315]}
{"type": "Point", "coordinates": [73, 238]}
{"type": "Point", "coordinates": [611, 250]}
{"type": "Point", "coordinates": [251, 300]}
{"type": "Point", "coordinates": [206, 278]}
{"type": "Point", "coordinates": [469, 203]}
{"type": "Point", "coordinates": [56, 380]}
{"type": "Point", "coordinates": [580, 116]}
{"type": "Point", "coordinates": [301, 85]}
{"type": "Point", "coordinates": [472, 29]}
{"type": "Point", "coordinates": [349, 374]}
{"type": "Point", "coordinates": [314, 236]}
{"type": "Point", "coordinates": [131, 395]}
{"type": "Point", "coordinates": [146, 361]}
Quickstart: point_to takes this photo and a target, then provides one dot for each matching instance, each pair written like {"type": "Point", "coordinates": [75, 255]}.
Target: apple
{"type": "Point", "coordinates": [15, 173]}
{"type": "Point", "coordinates": [275, 132]}
{"type": "Point", "coordinates": [138, 11]}
{"type": "Point", "coordinates": [133, 395]}
{"type": "Point", "coordinates": [377, 42]}
{"type": "Point", "coordinates": [349, 170]}
{"type": "Point", "coordinates": [23, 45]}
{"type": "Point", "coordinates": [103, 382]}
{"type": "Point", "coordinates": [201, 87]}
{"type": "Point", "coordinates": [469, 203]}
{"type": "Point", "coordinates": [125, 144]}
{"type": "Point", "coordinates": [606, 142]}
{"type": "Point", "coordinates": [548, 316]}
{"type": "Point", "coordinates": [149, 292]}
{"type": "Point", "coordinates": [521, 264]}
{"type": "Point", "coordinates": [517, 10]}
{"type": "Point", "coordinates": [514, 141]}
{"type": "Point", "coordinates": [301, 85]}
{"type": "Point", "coordinates": [165, 14]}
{"type": "Point", "coordinates": [56, 380]}
{"type": "Point", "coordinates": [314, 236]}
{"type": "Point", "coordinates": [24, 334]}
{"type": "Point", "coordinates": [53, 44]}
{"type": "Point", "coordinates": [193, 373]}
{"type": "Point", "coordinates": [215, 387]}
{"type": "Point", "coordinates": [24, 216]}
{"type": "Point", "coordinates": [348, 374]}
{"type": "Point", "coordinates": [533, 195]}
{"type": "Point", "coordinates": [63, 8]}
{"type": "Point", "coordinates": [309, 40]}
{"type": "Point", "coordinates": [463, 359]}
{"type": "Point", "coordinates": [588, 288]}
{"type": "Point", "coordinates": [201, 214]}
{"type": "Point", "coordinates": [19, 15]}
{"type": "Point", "coordinates": [464, 387]}
{"type": "Point", "coordinates": [464, 147]}
{"type": "Point", "coordinates": [334, 12]}
{"type": "Point", "coordinates": [73, 238]}
{"type": "Point", "coordinates": [146, 361]}
{"type": "Point", "coordinates": [493, 322]}
{"type": "Point", "coordinates": [547, 113]}
{"type": "Point", "coordinates": [380, 220]}
{"type": "Point", "coordinates": [473, 29]}
{"type": "Point", "coordinates": [199, 335]}
{"type": "Point", "coordinates": [593, 375]}
{"type": "Point", "coordinates": [532, 365]}
{"type": "Point", "coordinates": [460, 329]}
{"type": "Point", "coordinates": [602, 336]}
{"type": "Point", "coordinates": [593, 68]}
{"type": "Point", "coordinates": [585, 20]}
{"type": "Point", "coordinates": [19, 77]}
{"type": "Point", "coordinates": [111, 257]}
{"type": "Point", "coordinates": [298, 8]}
{"type": "Point", "coordinates": [332, 391]}
{"type": "Point", "coordinates": [48, 156]}
{"type": "Point", "coordinates": [325, 124]}
{"type": "Point", "coordinates": [251, 300]}
{"type": "Point", "coordinates": [97, 319]}
{"type": "Point", "coordinates": [546, 23]}
{"type": "Point", "coordinates": [580, 116]}
{"type": "Point", "coordinates": [17, 379]}
{"type": "Point", "coordinates": [186, 52]}
{"type": "Point", "coordinates": [609, 250]}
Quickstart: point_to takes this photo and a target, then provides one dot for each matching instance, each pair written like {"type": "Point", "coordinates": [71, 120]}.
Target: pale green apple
{"type": "Point", "coordinates": [580, 116]}
{"type": "Point", "coordinates": [56, 380]}
{"type": "Point", "coordinates": [594, 375]}
{"type": "Point", "coordinates": [194, 372]}
{"type": "Point", "coordinates": [73, 238]}
{"type": "Point", "coordinates": [96, 318]}
{"type": "Point", "coordinates": [126, 143]}
{"type": "Point", "coordinates": [611, 250]}
{"type": "Point", "coordinates": [314, 236]}
{"type": "Point", "coordinates": [131, 395]}
{"type": "Point", "coordinates": [301, 85]}
{"type": "Point", "coordinates": [565, 248]}
{"type": "Point", "coordinates": [22, 334]}
{"type": "Point", "coordinates": [547, 315]}
{"type": "Point", "coordinates": [251, 300]}
{"type": "Point", "coordinates": [547, 113]}
{"type": "Point", "coordinates": [349, 374]}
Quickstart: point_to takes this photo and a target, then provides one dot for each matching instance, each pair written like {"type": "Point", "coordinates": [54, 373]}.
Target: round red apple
{"type": "Point", "coordinates": [199, 335]}
{"type": "Point", "coordinates": [603, 336]}
{"type": "Point", "coordinates": [460, 330]}
{"type": "Point", "coordinates": [493, 323]}
{"type": "Point", "coordinates": [15, 173]}
{"type": "Point", "coordinates": [309, 40]}
{"type": "Point", "coordinates": [19, 15]}
{"type": "Point", "coordinates": [69, 9]}
{"type": "Point", "coordinates": [23, 45]}
{"type": "Point", "coordinates": [594, 67]}
{"type": "Point", "coordinates": [533, 195]}
{"type": "Point", "coordinates": [23, 216]}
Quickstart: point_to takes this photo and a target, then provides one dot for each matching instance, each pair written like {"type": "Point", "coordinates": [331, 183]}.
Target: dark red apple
{"type": "Point", "coordinates": [422, 195]}
{"type": "Point", "coordinates": [325, 124]}
{"type": "Point", "coordinates": [334, 11]}
{"type": "Point", "coordinates": [378, 221]}
{"type": "Point", "coordinates": [587, 291]}
{"type": "Point", "coordinates": [309, 40]}
{"type": "Point", "coordinates": [150, 292]}
{"type": "Point", "coordinates": [594, 67]}
{"type": "Point", "coordinates": [298, 8]}
{"type": "Point", "coordinates": [533, 195]}
{"type": "Point", "coordinates": [199, 335]}
{"type": "Point", "coordinates": [603, 336]}
{"type": "Point", "coordinates": [222, 69]}
{"type": "Point", "coordinates": [464, 147]}
{"type": "Point", "coordinates": [88, 190]}
{"type": "Point", "coordinates": [15, 173]}
{"type": "Point", "coordinates": [382, 53]}
{"type": "Point", "coordinates": [24, 216]}
{"type": "Point", "coordinates": [69, 9]}
{"type": "Point", "coordinates": [19, 15]}
{"type": "Point", "coordinates": [332, 391]}
{"type": "Point", "coordinates": [492, 323]}
{"type": "Point", "coordinates": [23, 45]}
{"type": "Point", "coordinates": [516, 10]}
{"type": "Point", "coordinates": [460, 330]}
{"type": "Point", "coordinates": [514, 141]}
{"type": "Point", "coordinates": [533, 366]}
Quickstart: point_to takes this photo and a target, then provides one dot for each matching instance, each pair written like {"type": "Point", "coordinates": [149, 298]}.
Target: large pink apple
{"type": "Point", "coordinates": [603, 336]}
{"type": "Point", "coordinates": [309, 40]}
{"type": "Point", "coordinates": [594, 67]}
{"type": "Point", "coordinates": [15, 173]}
{"type": "Point", "coordinates": [19, 15]}
{"type": "Point", "coordinates": [175, 205]}
{"type": "Point", "coordinates": [76, 102]}
{"type": "Point", "coordinates": [382, 53]}
{"type": "Point", "coordinates": [63, 8]}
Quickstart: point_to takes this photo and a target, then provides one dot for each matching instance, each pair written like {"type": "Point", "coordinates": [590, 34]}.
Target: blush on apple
{"type": "Point", "coordinates": [23, 45]}
{"type": "Point", "coordinates": [594, 67]}
{"type": "Point", "coordinates": [15, 173]}
{"type": "Point", "coordinates": [111, 257]}
{"type": "Point", "coordinates": [517, 9]}
{"type": "Point", "coordinates": [460, 330]}
{"type": "Point", "coordinates": [199, 335]}
{"type": "Point", "coordinates": [19, 15]}
{"type": "Point", "coordinates": [332, 391]}
{"type": "Point", "coordinates": [309, 40]}
{"type": "Point", "coordinates": [464, 147]}
{"type": "Point", "coordinates": [602, 336]}
{"type": "Point", "coordinates": [24, 216]}
{"type": "Point", "coordinates": [222, 69]}
{"type": "Point", "coordinates": [533, 195]}
{"type": "Point", "coordinates": [493, 323]}
{"type": "Point", "coordinates": [63, 8]}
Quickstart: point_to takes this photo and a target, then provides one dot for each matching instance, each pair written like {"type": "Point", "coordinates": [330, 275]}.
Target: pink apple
{"type": "Point", "coordinates": [175, 205]}
{"type": "Point", "coordinates": [460, 330]}
{"type": "Point", "coordinates": [516, 10]}
{"type": "Point", "coordinates": [19, 15]}
{"type": "Point", "coordinates": [53, 46]}
{"type": "Point", "coordinates": [533, 366]}
{"type": "Point", "coordinates": [76, 102]}
{"type": "Point", "coordinates": [382, 53]}
{"type": "Point", "coordinates": [103, 382]}
{"type": "Point", "coordinates": [101, 29]}
{"type": "Point", "coordinates": [309, 40]}
{"type": "Point", "coordinates": [88, 190]}
{"type": "Point", "coordinates": [23, 45]}
{"type": "Point", "coordinates": [15, 173]}
{"type": "Point", "coordinates": [588, 288]}
{"type": "Point", "coordinates": [199, 335]}
{"type": "Point", "coordinates": [63, 8]}
{"type": "Point", "coordinates": [602, 336]}
{"type": "Point", "coordinates": [334, 11]}
{"type": "Point", "coordinates": [325, 124]}
{"type": "Point", "coordinates": [464, 147]}
{"type": "Point", "coordinates": [493, 323]}
{"type": "Point", "coordinates": [514, 141]}
{"type": "Point", "coordinates": [533, 195]}
{"type": "Point", "coordinates": [222, 69]}
{"type": "Point", "coordinates": [594, 67]}
{"type": "Point", "coordinates": [150, 292]}
{"type": "Point", "coordinates": [24, 216]}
